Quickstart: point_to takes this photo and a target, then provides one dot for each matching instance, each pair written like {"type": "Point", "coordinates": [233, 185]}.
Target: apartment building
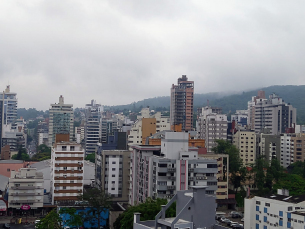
{"type": "Point", "coordinates": [161, 171]}
{"type": "Point", "coordinates": [245, 141]}
{"type": "Point", "coordinates": [298, 147]}
{"type": "Point", "coordinates": [251, 108]}
{"type": "Point", "coordinates": [109, 127]}
{"type": "Point", "coordinates": [60, 120]}
{"type": "Point", "coordinates": [268, 146]}
{"type": "Point", "coordinates": [181, 104]}
{"type": "Point", "coordinates": [80, 133]}
{"type": "Point", "coordinates": [274, 211]}
{"type": "Point", "coordinates": [274, 114]}
{"type": "Point", "coordinates": [25, 189]}
{"type": "Point", "coordinates": [146, 125]}
{"type": "Point", "coordinates": [43, 138]}
{"type": "Point", "coordinates": [287, 149]}
{"type": "Point", "coordinates": [240, 117]}
{"type": "Point", "coordinates": [67, 171]}
{"type": "Point", "coordinates": [211, 126]}
{"type": "Point", "coordinates": [93, 117]}
{"type": "Point", "coordinates": [112, 169]}
{"type": "Point", "coordinates": [9, 106]}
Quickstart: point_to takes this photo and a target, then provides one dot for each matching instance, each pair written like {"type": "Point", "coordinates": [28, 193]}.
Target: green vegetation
{"type": "Point", "coordinates": [90, 157]}
{"type": "Point", "coordinates": [30, 113]}
{"type": "Point", "coordinates": [149, 209]}
{"type": "Point", "coordinates": [21, 155]}
{"type": "Point", "coordinates": [43, 153]}
{"type": "Point", "coordinates": [51, 221]}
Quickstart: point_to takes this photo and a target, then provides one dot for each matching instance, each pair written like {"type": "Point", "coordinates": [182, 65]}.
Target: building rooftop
{"type": "Point", "coordinates": [288, 199]}
{"type": "Point", "coordinates": [301, 213]}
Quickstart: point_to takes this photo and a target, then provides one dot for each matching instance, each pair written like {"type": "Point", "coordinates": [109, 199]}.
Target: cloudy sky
{"type": "Point", "coordinates": [117, 52]}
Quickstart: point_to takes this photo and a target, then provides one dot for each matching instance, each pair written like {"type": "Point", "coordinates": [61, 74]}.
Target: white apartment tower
{"type": "Point", "coordinates": [274, 114]}
{"type": "Point", "coordinates": [67, 172]}
{"type": "Point", "coordinates": [25, 188]}
{"type": "Point", "coordinates": [60, 120]}
{"type": "Point", "coordinates": [9, 106]}
{"type": "Point", "coordinates": [92, 126]}
{"type": "Point", "coordinates": [211, 126]}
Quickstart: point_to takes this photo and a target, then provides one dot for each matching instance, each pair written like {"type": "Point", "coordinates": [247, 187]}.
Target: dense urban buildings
{"type": "Point", "coordinates": [161, 171]}
{"type": "Point", "coordinates": [60, 120]}
{"type": "Point", "coordinates": [67, 170]}
{"type": "Point", "coordinates": [181, 104]}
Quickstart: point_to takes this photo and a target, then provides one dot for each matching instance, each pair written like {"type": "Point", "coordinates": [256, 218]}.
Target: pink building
{"type": "Point", "coordinates": [6, 166]}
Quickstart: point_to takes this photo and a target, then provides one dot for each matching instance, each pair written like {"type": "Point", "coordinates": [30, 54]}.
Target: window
{"type": "Point", "coordinates": [113, 169]}
{"type": "Point", "coordinates": [114, 162]}
{"type": "Point", "coordinates": [8, 170]}
{"type": "Point", "coordinates": [265, 227]}
{"type": "Point", "coordinates": [265, 218]}
{"type": "Point", "coordinates": [256, 226]}
{"type": "Point", "coordinates": [72, 181]}
{"type": "Point", "coordinates": [65, 168]}
{"type": "Point", "coordinates": [113, 182]}
{"type": "Point", "coordinates": [281, 223]}
{"type": "Point", "coordinates": [265, 210]}
{"type": "Point", "coordinates": [257, 217]}
{"type": "Point", "coordinates": [64, 187]}
{"type": "Point", "coordinates": [289, 209]}
{"type": "Point", "coordinates": [113, 175]}
{"type": "Point", "coordinates": [280, 213]}
{"type": "Point", "coordinates": [267, 204]}
{"type": "Point", "coordinates": [64, 148]}
{"type": "Point", "coordinates": [112, 188]}
{"type": "Point", "coordinates": [257, 208]}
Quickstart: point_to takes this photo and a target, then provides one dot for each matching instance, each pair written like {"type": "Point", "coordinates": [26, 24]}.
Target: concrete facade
{"type": "Point", "coordinates": [268, 146]}
{"type": "Point", "coordinates": [211, 126]}
{"type": "Point", "coordinates": [181, 104]}
{"type": "Point", "coordinates": [67, 172]}
{"type": "Point", "coordinates": [112, 172]}
{"type": "Point", "coordinates": [274, 114]}
{"type": "Point", "coordinates": [245, 141]}
{"type": "Point", "coordinates": [194, 209]}
{"type": "Point", "coordinates": [161, 171]}
{"type": "Point", "coordinates": [274, 211]}
{"type": "Point", "coordinates": [25, 188]}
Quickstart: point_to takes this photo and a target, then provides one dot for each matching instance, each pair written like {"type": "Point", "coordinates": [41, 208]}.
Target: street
{"type": "Point", "coordinates": [20, 226]}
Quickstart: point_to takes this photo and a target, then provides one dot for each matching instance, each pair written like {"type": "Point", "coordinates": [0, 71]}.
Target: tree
{"type": "Point", "coordinates": [292, 182]}
{"type": "Point", "coordinates": [259, 175]}
{"type": "Point", "coordinates": [51, 221]}
{"type": "Point", "coordinates": [149, 209]}
{"type": "Point", "coordinates": [90, 157]}
{"type": "Point", "coordinates": [99, 202]}
{"type": "Point", "coordinates": [71, 217]}
{"type": "Point", "coordinates": [21, 155]}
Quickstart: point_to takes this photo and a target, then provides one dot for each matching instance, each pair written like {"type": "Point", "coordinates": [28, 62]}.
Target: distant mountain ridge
{"type": "Point", "coordinates": [295, 95]}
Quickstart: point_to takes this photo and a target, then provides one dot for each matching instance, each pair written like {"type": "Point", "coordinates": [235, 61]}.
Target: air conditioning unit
{"type": "Point", "coordinates": [260, 212]}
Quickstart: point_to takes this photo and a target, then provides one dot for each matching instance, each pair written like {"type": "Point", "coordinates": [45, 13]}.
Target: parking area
{"type": "Point", "coordinates": [231, 220]}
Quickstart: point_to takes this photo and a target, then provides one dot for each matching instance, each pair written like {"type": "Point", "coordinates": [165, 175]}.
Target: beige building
{"type": "Point", "coordinates": [25, 188]}
{"type": "Point", "coordinates": [222, 179]}
{"type": "Point", "coordinates": [245, 141]}
{"type": "Point", "coordinates": [67, 172]}
{"type": "Point", "coordinates": [298, 147]}
{"type": "Point", "coordinates": [145, 126]}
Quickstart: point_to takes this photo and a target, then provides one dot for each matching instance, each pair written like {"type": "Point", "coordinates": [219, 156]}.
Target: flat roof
{"type": "Point", "coordinates": [288, 199]}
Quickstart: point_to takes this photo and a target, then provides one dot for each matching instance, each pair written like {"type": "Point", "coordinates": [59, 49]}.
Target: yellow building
{"type": "Point", "coordinates": [245, 141]}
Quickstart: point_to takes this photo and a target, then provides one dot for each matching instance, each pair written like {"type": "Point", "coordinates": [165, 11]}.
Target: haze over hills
{"type": "Point", "coordinates": [292, 94]}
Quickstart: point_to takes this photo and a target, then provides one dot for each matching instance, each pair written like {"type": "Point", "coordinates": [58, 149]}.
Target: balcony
{"type": "Point", "coordinates": [171, 169]}
{"type": "Point", "coordinates": [191, 170]}
{"type": "Point", "coordinates": [26, 201]}
{"type": "Point", "coordinates": [26, 194]}
{"type": "Point", "coordinates": [191, 178]}
{"type": "Point", "coordinates": [172, 187]}
{"type": "Point", "coordinates": [171, 177]}
{"type": "Point", "coordinates": [26, 187]}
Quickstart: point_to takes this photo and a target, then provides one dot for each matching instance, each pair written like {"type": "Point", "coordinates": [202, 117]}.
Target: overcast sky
{"type": "Point", "coordinates": [117, 52]}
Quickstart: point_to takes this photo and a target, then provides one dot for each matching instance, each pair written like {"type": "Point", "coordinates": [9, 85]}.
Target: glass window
{"type": "Point", "coordinates": [257, 208]}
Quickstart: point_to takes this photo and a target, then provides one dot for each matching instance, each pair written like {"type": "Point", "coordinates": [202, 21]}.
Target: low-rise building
{"type": "Point", "coordinates": [25, 190]}
{"type": "Point", "coordinates": [274, 211]}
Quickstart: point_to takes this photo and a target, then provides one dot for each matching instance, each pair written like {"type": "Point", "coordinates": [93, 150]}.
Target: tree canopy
{"type": "Point", "coordinates": [51, 221]}
{"type": "Point", "coordinates": [90, 157]}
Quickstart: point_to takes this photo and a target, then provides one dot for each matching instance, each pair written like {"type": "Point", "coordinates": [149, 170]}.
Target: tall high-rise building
{"type": "Point", "coordinates": [61, 120]}
{"type": "Point", "coordinates": [67, 171]}
{"type": "Point", "coordinates": [181, 104]}
{"type": "Point", "coordinates": [251, 108]}
{"type": "Point", "coordinates": [92, 126]}
{"type": "Point", "coordinates": [9, 106]}
{"type": "Point", "coordinates": [211, 126]}
{"type": "Point", "coordinates": [274, 114]}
